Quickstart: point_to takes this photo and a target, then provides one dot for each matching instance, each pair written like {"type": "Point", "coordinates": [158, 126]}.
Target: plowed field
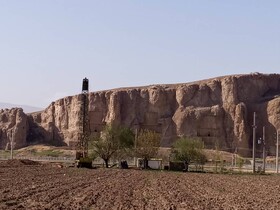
{"type": "Point", "coordinates": [24, 185]}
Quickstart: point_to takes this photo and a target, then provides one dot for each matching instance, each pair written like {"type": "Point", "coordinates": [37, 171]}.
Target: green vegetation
{"type": "Point", "coordinates": [147, 145]}
{"type": "Point", "coordinates": [126, 144]}
{"type": "Point", "coordinates": [220, 163]}
{"type": "Point", "coordinates": [46, 153]}
{"type": "Point", "coordinates": [189, 150]}
{"type": "Point", "coordinates": [38, 151]}
{"type": "Point", "coordinates": [6, 152]}
{"type": "Point", "coordinates": [112, 142]}
{"type": "Point", "coordinates": [240, 162]}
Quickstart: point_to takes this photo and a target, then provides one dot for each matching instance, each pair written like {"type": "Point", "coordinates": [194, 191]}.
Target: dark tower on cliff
{"type": "Point", "coordinates": [84, 129]}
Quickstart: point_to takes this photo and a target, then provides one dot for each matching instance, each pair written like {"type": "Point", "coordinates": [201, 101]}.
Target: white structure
{"type": "Point", "coordinates": [152, 163]}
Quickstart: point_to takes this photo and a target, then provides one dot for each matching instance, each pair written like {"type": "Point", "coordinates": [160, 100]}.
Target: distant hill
{"type": "Point", "coordinates": [26, 108]}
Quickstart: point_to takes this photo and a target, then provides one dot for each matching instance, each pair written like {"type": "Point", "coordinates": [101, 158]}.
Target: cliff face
{"type": "Point", "coordinates": [13, 128]}
{"type": "Point", "coordinates": [219, 111]}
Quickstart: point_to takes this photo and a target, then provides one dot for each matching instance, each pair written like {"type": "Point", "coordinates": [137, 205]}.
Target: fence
{"type": "Point", "coordinates": [210, 166]}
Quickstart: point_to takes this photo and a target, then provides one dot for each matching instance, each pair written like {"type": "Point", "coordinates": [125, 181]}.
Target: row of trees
{"type": "Point", "coordinates": [120, 143]}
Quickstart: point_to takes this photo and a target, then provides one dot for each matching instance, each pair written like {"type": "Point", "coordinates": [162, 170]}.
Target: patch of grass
{"type": "Point", "coordinates": [4, 152]}
{"type": "Point", "coordinates": [33, 151]}
{"type": "Point", "coordinates": [49, 153]}
{"type": "Point", "coordinates": [7, 152]}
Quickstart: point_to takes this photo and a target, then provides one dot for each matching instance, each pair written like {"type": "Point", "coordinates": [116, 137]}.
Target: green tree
{"type": "Point", "coordinates": [126, 144]}
{"type": "Point", "coordinates": [147, 145]}
{"type": "Point", "coordinates": [189, 150]}
{"type": "Point", "coordinates": [200, 160]}
{"type": "Point", "coordinates": [113, 141]}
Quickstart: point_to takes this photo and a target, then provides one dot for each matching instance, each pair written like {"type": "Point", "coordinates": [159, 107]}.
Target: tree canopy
{"type": "Point", "coordinates": [188, 150]}
{"type": "Point", "coordinates": [113, 141]}
{"type": "Point", "coordinates": [147, 145]}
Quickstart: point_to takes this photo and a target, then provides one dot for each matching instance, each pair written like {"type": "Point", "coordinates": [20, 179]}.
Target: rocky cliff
{"type": "Point", "coordinates": [14, 128]}
{"type": "Point", "coordinates": [219, 111]}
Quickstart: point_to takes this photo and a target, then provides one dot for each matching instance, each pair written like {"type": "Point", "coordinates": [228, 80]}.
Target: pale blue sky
{"type": "Point", "coordinates": [48, 47]}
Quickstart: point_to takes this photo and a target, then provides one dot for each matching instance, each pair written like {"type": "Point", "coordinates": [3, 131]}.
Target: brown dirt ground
{"type": "Point", "coordinates": [28, 185]}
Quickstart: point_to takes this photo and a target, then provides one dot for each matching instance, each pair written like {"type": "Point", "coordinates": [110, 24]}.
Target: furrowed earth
{"type": "Point", "coordinates": [31, 185]}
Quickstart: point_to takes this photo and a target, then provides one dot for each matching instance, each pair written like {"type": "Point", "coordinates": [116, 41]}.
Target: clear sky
{"type": "Point", "coordinates": [48, 47]}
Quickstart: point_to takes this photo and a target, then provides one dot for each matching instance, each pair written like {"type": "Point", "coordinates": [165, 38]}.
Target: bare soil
{"type": "Point", "coordinates": [29, 185]}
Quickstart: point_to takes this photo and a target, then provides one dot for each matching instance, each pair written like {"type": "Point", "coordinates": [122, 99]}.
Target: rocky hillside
{"type": "Point", "coordinates": [219, 111]}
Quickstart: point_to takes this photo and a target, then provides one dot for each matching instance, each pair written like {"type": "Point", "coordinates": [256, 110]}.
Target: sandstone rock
{"type": "Point", "coordinates": [219, 111]}
{"type": "Point", "coordinates": [13, 127]}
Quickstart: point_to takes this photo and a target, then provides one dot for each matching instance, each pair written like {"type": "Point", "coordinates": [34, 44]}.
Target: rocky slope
{"type": "Point", "coordinates": [219, 111]}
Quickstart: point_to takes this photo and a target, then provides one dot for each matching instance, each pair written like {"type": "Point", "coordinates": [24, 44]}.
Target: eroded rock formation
{"type": "Point", "coordinates": [14, 127]}
{"type": "Point", "coordinates": [219, 111]}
